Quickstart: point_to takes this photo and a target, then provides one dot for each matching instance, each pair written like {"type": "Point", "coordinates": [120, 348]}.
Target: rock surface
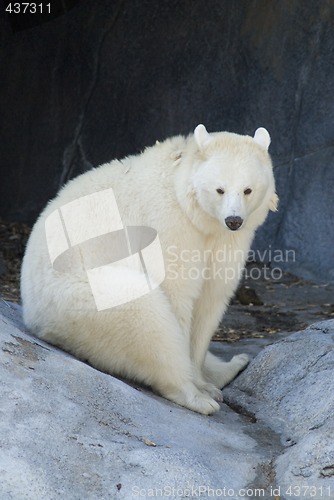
{"type": "Point", "coordinates": [69, 431]}
{"type": "Point", "coordinates": [289, 386]}
{"type": "Point", "coordinates": [110, 78]}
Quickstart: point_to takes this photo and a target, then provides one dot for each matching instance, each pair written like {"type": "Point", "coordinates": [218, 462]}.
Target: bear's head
{"type": "Point", "coordinates": [232, 180]}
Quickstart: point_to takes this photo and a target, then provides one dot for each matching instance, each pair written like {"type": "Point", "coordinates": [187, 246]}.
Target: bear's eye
{"type": "Point", "coordinates": [248, 191]}
{"type": "Point", "coordinates": [220, 191]}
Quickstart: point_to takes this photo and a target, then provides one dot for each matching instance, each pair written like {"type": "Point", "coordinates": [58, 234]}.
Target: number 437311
{"type": "Point", "coordinates": [28, 8]}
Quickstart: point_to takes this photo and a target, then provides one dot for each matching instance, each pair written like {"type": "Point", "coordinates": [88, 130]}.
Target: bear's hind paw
{"type": "Point", "coordinates": [240, 360]}
{"type": "Point", "coordinates": [213, 391]}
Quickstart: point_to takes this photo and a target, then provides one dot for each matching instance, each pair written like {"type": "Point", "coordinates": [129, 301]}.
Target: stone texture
{"type": "Point", "coordinates": [289, 386]}
{"type": "Point", "coordinates": [70, 431]}
{"type": "Point", "coordinates": [107, 80]}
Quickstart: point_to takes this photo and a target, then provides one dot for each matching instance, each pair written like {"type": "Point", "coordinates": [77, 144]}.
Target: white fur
{"type": "Point", "coordinates": [162, 338]}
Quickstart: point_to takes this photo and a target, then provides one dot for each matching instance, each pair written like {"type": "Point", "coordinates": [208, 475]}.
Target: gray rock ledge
{"type": "Point", "coordinates": [289, 387]}
{"type": "Point", "coordinates": [70, 431]}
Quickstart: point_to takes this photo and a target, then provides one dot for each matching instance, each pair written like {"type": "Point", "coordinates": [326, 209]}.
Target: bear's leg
{"type": "Point", "coordinates": [220, 372]}
{"type": "Point", "coordinates": [207, 317]}
{"type": "Point", "coordinates": [143, 340]}
{"type": "Point", "coordinates": [166, 366]}
{"type": "Point", "coordinates": [162, 359]}
{"type": "Point", "coordinates": [207, 314]}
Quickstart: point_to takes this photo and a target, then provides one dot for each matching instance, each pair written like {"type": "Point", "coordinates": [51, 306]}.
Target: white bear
{"type": "Point", "coordinates": [204, 196]}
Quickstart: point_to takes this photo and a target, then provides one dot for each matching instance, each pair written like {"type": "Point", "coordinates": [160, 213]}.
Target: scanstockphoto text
{"type": "Point", "coordinates": [196, 491]}
{"type": "Point", "coordinates": [226, 264]}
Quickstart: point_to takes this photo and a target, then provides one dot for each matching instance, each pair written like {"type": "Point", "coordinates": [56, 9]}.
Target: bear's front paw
{"type": "Point", "coordinates": [204, 404]}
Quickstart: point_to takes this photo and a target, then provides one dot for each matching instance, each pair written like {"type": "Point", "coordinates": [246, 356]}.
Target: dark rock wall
{"type": "Point", "coordinates": [110, 77]}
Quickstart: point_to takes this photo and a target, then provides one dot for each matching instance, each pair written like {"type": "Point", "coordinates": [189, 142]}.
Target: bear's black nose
{"type": "Point", "coordinates": [233, 223]}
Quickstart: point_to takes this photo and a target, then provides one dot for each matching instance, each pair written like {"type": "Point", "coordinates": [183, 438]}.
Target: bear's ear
{"type": "Point", "coordinates": [202, 136]}
{"type": "Point", "coordinates": [262, 138]}
{"type": "Point", "coordinates": [273, 203]}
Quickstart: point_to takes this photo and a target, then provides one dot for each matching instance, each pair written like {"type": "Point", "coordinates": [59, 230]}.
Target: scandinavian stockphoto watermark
{"type": "Point", "coordinates": [122, 263]}
{"type": "Point", "coordinates": [226, 263]}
